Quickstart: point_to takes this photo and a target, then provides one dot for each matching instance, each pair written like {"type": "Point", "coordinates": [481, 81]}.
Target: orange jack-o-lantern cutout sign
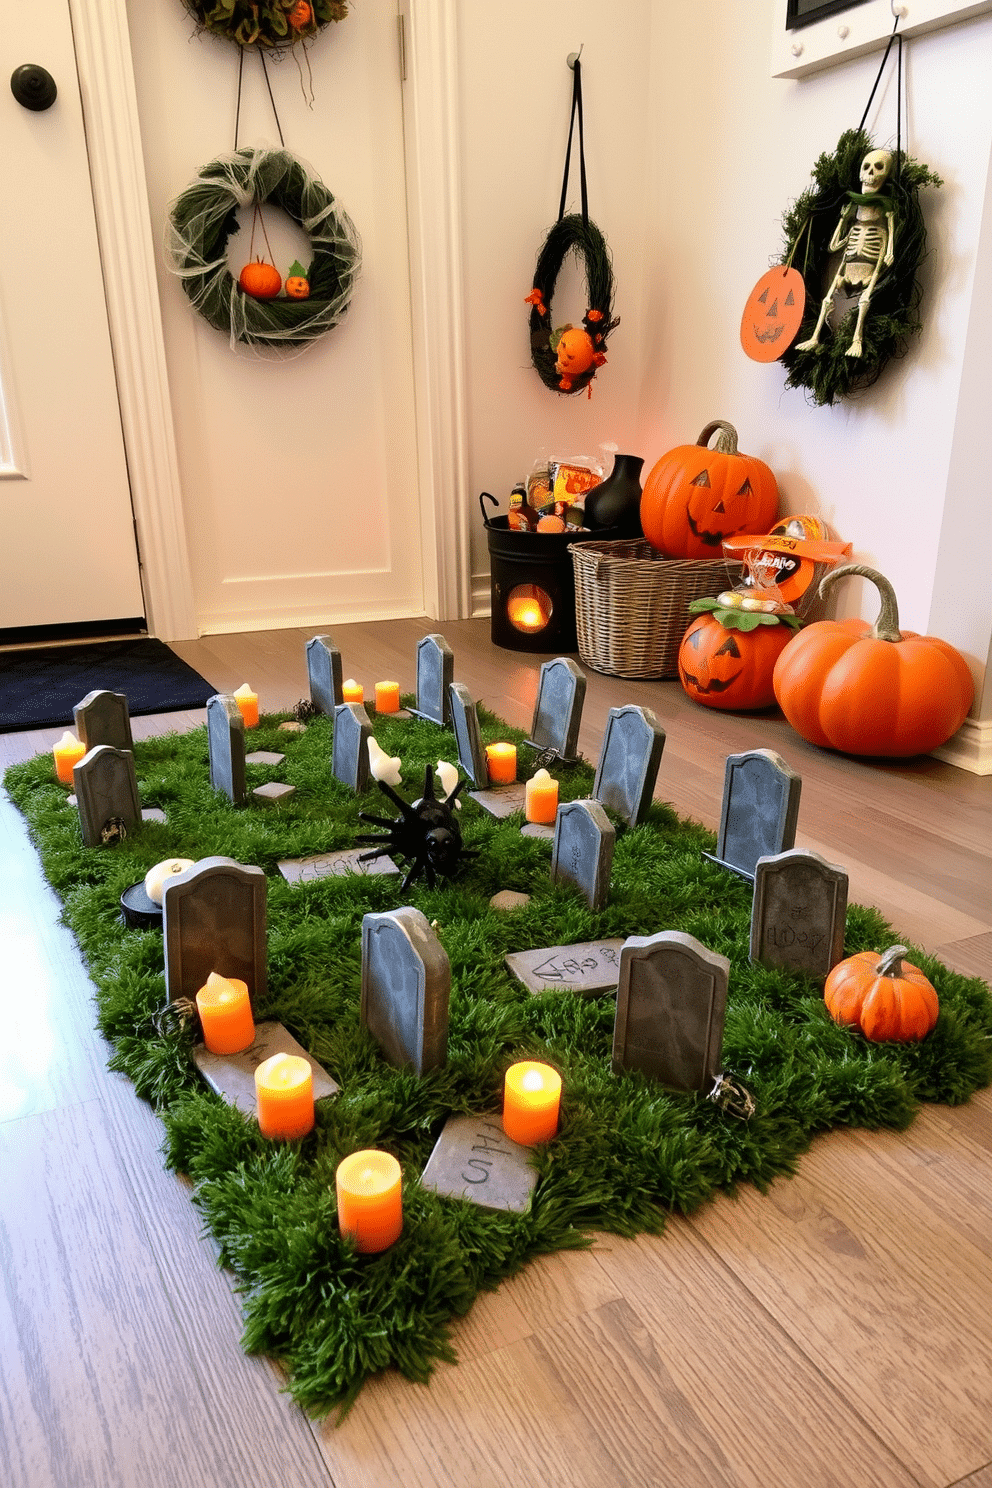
{"type": "Point", "coordinates": [773, 314]}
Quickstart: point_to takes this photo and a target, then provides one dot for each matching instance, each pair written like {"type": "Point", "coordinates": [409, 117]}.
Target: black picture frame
{"type": "Point", "coordinates": [800, 13]}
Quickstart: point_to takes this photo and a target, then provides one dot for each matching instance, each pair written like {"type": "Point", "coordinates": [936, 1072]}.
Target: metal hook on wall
{"type": "Point", "coordinates": [573, 57]}
{"type": "Point", "coordinates": [899, 11]}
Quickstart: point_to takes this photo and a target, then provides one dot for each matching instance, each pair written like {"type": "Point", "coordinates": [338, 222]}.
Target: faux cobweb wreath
{"type": "Point", "coordinates": [265, 23]}
{"type": "Point", "coordinates": [203, 217]}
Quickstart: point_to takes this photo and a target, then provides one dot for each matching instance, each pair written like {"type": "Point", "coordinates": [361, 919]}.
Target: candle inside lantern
{"type": "Point", "coordinates": [247, 701]}
{"type": "Point", "coordinates": [541, 802]}
{"type": "Point", "coordinates": [225, 1014]}
{"type": "Point", "coordinates": [528, 607]}
{"type": "Point", "coordinates": [370, 1200]}
{"type": "Point", "coordinates": [387, 697]}
{"type": "Point", "coordinates": [352, 691]}
{"type": "Point", "coordinates": [531, 1101]}
{"type": "Point", "coordinates": [501, 762]}
{"type": "Point", "coordinates": [67, 752]}
{"type": "Point", "coordinates": [284, 1095]}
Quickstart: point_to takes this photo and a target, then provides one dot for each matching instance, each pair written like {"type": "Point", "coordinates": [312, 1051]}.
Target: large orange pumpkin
{"type": "Point", "coordinates": [262, 281]}
{"type": "Point", "coordinates": [883, 995]}
{"type": "Point", "coordinates": [872, 689]}
{"type": "Point", "coordinates": [695, 496]}
{"type": "Point", "coordinates": [727, 667]}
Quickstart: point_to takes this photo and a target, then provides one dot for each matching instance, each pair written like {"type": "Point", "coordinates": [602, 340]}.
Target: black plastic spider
{"type": "Point", "coordinates": [427, 835]}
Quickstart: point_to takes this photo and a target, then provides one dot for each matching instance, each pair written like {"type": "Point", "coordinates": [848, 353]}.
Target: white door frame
{"type": "Point", "coordinates": [106, 81]}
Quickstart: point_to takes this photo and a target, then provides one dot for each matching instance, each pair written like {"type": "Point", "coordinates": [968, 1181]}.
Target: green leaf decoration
{"type": "Point", "coordinates": [297, 271]}
{"type": "Point", "coordinates": [740, 619]}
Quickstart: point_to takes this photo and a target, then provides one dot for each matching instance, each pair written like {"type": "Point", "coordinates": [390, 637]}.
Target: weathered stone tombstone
{"type": "Point", "coordinates": [465, 723]}
{"type": "Point", "coordinates": [633, 741]}
{"type": "Point", "coordinates": [583, 849]}
{"type": "Point", "coordinates": [435, 674]}
{"type": "Point", "coordinates": [671, 1004]}
{"type": "Point", "coordinates": [226, 739]}
{"type": "Point", "coordinates": [474, 1159]}
{"type": "Point", "coordinates": [214, 918]}
{"type": "Point", "coordinates": [589, 968]}
{"type": "Point", "coordinates": [339, 864]}
{"type": "Point", "coordinates": [324, 672]}
{"type": "Point", "coordinates": [103, 718]}
{"type": "Point", "coordinates": [406, 988]}
{"type": "Point", "coordinates": [350, 750]}
{"type": "Point", "coordinates": [760, 810]}
{"type": "Point", "coordinates": [232, 1076]}
{"type": "Point", "coordinates": [561, 691]}
{"type": "Point", "coordinates": [106, 789]}
{"type": "Point", "coordinates": [799, 912]}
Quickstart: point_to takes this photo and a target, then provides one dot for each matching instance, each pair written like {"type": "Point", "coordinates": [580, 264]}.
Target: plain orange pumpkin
{"type": "Point", "coordinates": [695, 496]}
{"type": "Point", "coordinates": [883, 995]}
{"type": "Point", "coordinates": [260, 280]}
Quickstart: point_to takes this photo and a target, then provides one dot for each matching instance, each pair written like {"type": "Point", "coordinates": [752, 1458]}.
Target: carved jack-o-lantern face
{"type": "Point", "coordinates": [575, 352]}
{"type": "Point", "coordinates": [730, 668]}
{"type": "Point", "coordinates": [773, 314]}
{"type": "Point", "coordinates": [694, 496]}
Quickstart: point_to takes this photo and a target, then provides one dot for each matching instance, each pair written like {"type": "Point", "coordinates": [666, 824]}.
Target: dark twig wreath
{"type": "Point", "coordinates": [265, 23]}
{"type": "Point", "coordinates": [203, 218]}
{"type": "Point", "coordinates": [559, 364]}
{"type": "Point", "coordinates": [827, 371]}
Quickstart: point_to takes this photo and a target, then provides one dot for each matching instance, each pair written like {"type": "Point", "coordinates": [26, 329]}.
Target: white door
{"type": "Point", "coordinates": [67, 543]}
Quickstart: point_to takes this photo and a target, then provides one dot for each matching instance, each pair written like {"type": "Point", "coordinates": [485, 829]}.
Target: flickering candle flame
{"type": "Point", "coordinates": [541, 798]}
{"type": "Point", "coordinates": [284, 1095]}
{"type": "Point", "coordinates": [387, 697]}
{"type": "Point", "coordinates": [247, 701]}
{"type": "Point", "coordinates": [224, 1007]}
{"type": "Point", "coordinates": [531, 1102]}
{"type": "Point", "coordinates": [370, 1200]}
{"type": "Point", "coordinates": [525, 614]}
{"type": "Point", "coordinates": [352, 691]}
{"type": "Point", "coordinates": [501, 762]}
{"type": "Point", "coordinates": [67, 752]}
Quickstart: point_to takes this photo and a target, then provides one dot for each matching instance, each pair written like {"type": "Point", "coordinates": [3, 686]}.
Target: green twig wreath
{"type": "Point", "coordinates": [265, 23]}
{"type": "Point", "coordinates": [826, 371]}
{"type": "Point", "coordinates": [203, 218]}
{"type": "Point", "coordinates": [558, 365]}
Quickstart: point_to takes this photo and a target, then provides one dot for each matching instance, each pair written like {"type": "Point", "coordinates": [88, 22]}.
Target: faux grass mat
{"type": "Point", "coordinates": [628, 1154]}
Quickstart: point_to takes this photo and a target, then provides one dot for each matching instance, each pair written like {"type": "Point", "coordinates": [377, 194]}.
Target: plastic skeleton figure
{"type": "Point", "coordinates": [868, 242]}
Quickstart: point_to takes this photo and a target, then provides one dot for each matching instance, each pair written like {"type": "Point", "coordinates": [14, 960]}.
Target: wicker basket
{"type": "Point", "coordinates": [632, 604]}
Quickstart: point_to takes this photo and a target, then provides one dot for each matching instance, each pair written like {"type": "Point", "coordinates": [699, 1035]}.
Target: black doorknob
{"type": "Point", "coordinates": [33, 86]}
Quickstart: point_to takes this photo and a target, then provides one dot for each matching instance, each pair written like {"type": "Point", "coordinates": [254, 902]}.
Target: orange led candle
{"type": "Point", "coordinates": [225, 1015]}
{"type": "Point", "coordinates": [247, 701]}
{"type": "Point", "coordinates": [67, 752]}
{"type": "Point", "coordinates": [352, 691]}
{"type": "Point", "coordinates": [531, 1099]}
{"type": "Point", "coordinates": [541, 804]}
{"type": "Point", "coordinates": [370, 1200]}
{"type": "Point", "coordinates": [284, 1093]}
{"type": "Point", "coordinates": [501, 762]}
{"type": "Point", "coordinates": [387, 697]}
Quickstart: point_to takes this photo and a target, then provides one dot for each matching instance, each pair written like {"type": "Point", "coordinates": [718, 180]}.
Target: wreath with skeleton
{"type": "Point", "coordinates": [858, 237]}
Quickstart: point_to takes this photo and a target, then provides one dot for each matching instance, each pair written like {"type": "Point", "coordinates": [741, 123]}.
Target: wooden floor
{"type": "Point", "coordinates": [835, 1331]}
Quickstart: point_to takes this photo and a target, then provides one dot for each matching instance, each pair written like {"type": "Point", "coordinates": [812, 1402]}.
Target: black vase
{"type": "Point", "coordinates": [616, 502]}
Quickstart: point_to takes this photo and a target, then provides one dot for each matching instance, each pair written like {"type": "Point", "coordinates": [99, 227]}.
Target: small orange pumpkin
{"type": "Point", "coordinates": [695, 496]}
{"type": "Point", "coordinates": [298, 288]}
{"type": "Point", "coordinates": [575, 352]}
{"type": "Point", "coordinates": [301, 15]}
{"type": "Point", "coordinates": [727, 667]}
{"type": "Point", "coordinates": [883, 995]}
{"type": "Point", "coordinates": [261, 280]}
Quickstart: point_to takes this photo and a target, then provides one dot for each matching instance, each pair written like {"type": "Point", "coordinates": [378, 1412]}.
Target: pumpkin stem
{"type": "Point", "coordinates": [891, 962]}
{"type": "Point", "coordinates": [726, 443]}
{"type": "Point", "coordinates": [886, 627]}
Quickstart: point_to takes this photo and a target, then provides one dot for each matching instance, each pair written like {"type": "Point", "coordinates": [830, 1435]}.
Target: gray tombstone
{"type": "Point", "coordinates": [324, 671]}
{"type": "Point", "coordinates": [465, 723]}
{"type": "Point", "coordinates": [561, 691]}
{"type": "Point", "coordinates": [226, 738]}
{"type": "Point", "coordinates": [342, 863]}
{"type": "Point", "coordinates": [799, 912]}
{"type": "Point", "coordinates": [760, 809]}
{"type": "Point", "coordinates": [232, 1076]}
{"type": "Point", "coordinates": [628, 762]}
{"type": "Point", "coordinates": [474, 1159]}
{"type": "Point", "coordinates": [583, 849]}
{"type": "Point", "coordinates": [406, 988]}
{"type": "Point", "coordinates": [350, 752]}
{"type": "Point", "coordinates": [588, 967]}
{"type": "Point", "coordinates": [214, 918]}
{"type": "Point", "coordinates": [106, 794]}
{"type": "Point", "coordinates": [435, 674]}
{"type": "Point", "coordinates": [671, 1003]}
{"type": "Point", "coordinates": [103, 718]}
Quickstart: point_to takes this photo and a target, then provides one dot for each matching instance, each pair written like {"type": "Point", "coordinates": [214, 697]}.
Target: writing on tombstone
{"type": "Point", "coordinates": [324, 672]}
{"type": "Point", "coordinates": [671, 1005]}
{"type": "Point", "coordinates": [214, 919]}
{"type": "Point", "coordinates": [799, 912]}
{"type": "Point", "coordinates": [474, 1159]}
{"type": "Point", "coordinates": [465, 723]}
{"type": "Point", "coordinates": [759, 812]}
{"type": "Point", "coordinates": [561, 691]}
{"type": "Point", "coordinates": [103, 718]}
{"type": "Point", "coordinates": [226, 740]}
{"type": "Point", "coordinates": [588, 967]}
{"type": "Point", "coordinates": [633, 741]}
{"type": "Point", "coordinates": [406, 989]}
{"type": "Point", "coordinates": [350, 750]}
{"type": "Point", "coordinates": [435, 674]}
{"type": "Point", "coordinates": [107, 798]}
{"type": "Point", "coordinates": [583, 849]}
